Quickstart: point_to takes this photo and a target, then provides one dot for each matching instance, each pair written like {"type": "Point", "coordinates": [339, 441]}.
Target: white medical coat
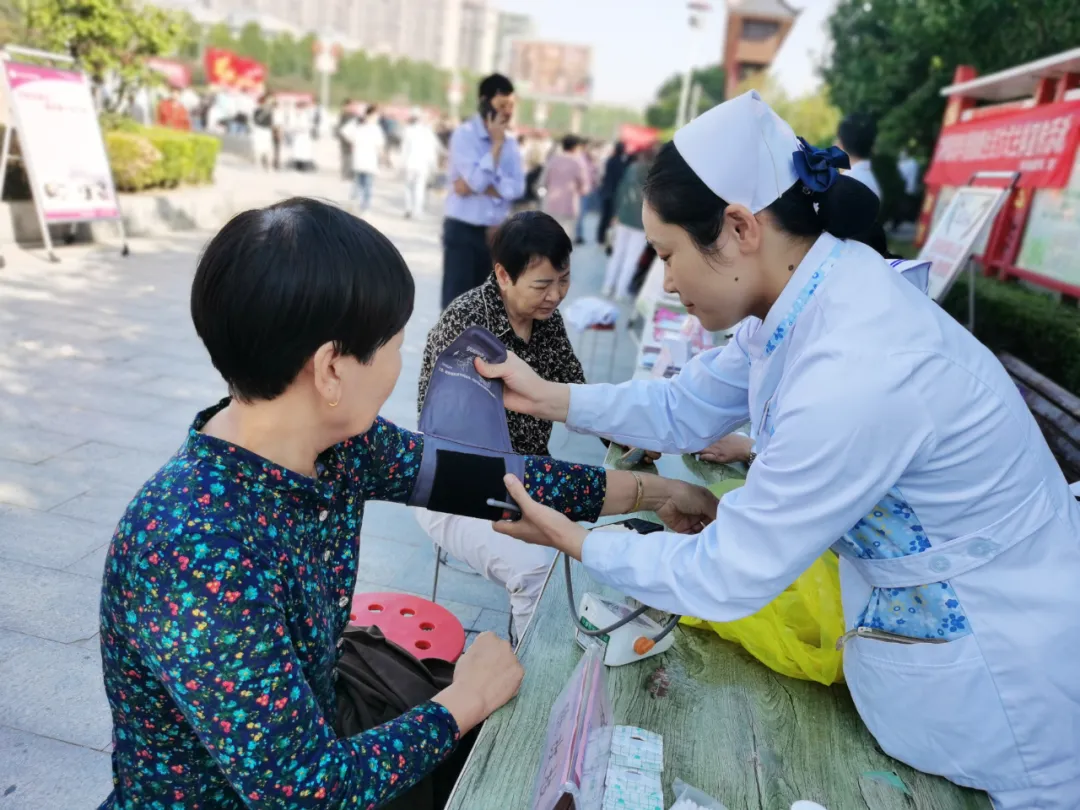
{"type": "Point", "coordinates": [885, 431]}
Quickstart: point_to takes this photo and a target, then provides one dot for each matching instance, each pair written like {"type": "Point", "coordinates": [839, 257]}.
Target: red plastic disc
{"type": "Point", "coordinates": [425, 629]}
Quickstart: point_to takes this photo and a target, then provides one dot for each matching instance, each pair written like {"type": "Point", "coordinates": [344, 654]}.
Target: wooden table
{"type": "Point", "coordinates": [751, 738]}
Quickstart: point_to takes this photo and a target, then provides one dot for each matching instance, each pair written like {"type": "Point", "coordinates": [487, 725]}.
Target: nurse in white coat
{"type": "Point", "coordinates": [883, 430]}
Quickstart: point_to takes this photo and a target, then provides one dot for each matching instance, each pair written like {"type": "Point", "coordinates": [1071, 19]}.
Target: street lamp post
{"type": "Point", "coordinates": [697, 9]}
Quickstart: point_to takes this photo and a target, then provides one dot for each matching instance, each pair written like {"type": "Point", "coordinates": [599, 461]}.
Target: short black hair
{"type": "Point", "coordinates": [570, 142]}
{"type": "Point", "coordinates": [857, 133]}
{"type": "Point", "coordinates": [495, 85]}
{"type": "Point", "coordinates": [847, 210]}
{"type": "Point", "coordinates": [277, 283]}
{"type": "Point", "coordinates": [528, 236]}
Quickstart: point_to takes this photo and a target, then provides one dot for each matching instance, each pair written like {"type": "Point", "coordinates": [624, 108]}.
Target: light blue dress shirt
{"type": "Point", "coordinates": [470, 159]}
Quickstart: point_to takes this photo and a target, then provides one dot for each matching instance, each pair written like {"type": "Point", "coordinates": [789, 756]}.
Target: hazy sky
{"type": "Point", "coordinates": [639, 43]}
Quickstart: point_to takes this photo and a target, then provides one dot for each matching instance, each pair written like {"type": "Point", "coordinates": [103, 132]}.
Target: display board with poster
{"type": "Point", "coordinates": [53, 114]}
{"type": "Point", "coordinates": [1053, 233]}
{"type": "Point", "coordinates": [951, 241]}
{"type": "Point", "coordinates": [551, 71]}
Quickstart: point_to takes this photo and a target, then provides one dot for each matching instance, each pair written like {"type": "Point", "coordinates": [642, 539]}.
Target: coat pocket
{"type": "Point", "coordinates": [935, 707]}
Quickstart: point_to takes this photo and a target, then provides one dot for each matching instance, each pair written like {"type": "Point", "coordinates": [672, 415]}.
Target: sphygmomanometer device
{"type": "Point", "coordinates": [467, 452]}
{"type": "Point", "coordinates": [467, 448]}
{"type": "Point", "coordinates": [626, 633]}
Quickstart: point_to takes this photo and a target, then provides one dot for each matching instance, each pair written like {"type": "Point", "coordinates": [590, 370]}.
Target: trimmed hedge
{"type": "Point", "coordinates": [136, 163]}
{"type": "Point", "coordinates": [1032, 327]}
{"type": "Point", "coordinates": [155, 157]}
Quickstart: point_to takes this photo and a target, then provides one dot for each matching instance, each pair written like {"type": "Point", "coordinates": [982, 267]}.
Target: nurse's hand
{"type": "Point", "coordinates": [539, 524]}
{"type": "Point", "coordinates": [733, 447]}
{"type": "Point", "coordinates": [525, 391]}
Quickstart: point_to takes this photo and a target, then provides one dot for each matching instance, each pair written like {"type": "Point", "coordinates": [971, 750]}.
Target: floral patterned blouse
{"type": "Point", "coordinates": [227, 588]}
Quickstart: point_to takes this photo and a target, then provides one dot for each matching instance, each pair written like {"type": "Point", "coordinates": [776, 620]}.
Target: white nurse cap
{"type": "Point", "coordinates": [742, 151]}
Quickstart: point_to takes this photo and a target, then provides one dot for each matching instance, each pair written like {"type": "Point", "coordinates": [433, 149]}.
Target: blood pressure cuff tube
{"type": "Point", "coordinates": [467, 448]}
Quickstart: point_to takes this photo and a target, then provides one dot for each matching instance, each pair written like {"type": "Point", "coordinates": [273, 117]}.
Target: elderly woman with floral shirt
{"type": "Point", "coordinates": [228, 582]}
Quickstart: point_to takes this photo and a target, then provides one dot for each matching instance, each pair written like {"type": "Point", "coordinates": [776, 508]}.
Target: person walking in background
{"type": "Point", "coordinates": [614, 168]}
{"type": "Point", "coordinates": [856, 136]}
{"type": "Point", "coordinates": [172, 114]}
{"type": "Point", "coordinates": [345, 148]}
{"type": "Point", "coordinates": [629, 236]}
{"type": "Point", "coordinates": [908, 168]}
{"type": "Point", "coordinates": [588, 200]}
{"type": "Point", "coordinates": [486, 176]}
{"type": "Point", "coordinates": [367, 141]}
{"type": "Point", "coordinates": [301, 147]}
{"type": "Point", "coordinates": [419, 157]}
{"type": "Point", "coordinates": [566, 181]}
{"type": "Point", "coordinates": [262, 133]}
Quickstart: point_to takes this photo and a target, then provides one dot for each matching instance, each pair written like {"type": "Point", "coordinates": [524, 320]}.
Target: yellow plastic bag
{"type": "Point", "coordinates": [796, 633]}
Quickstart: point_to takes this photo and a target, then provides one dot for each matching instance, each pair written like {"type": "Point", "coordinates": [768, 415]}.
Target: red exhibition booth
{"type": "Point", "coordinates": [1019, 129]}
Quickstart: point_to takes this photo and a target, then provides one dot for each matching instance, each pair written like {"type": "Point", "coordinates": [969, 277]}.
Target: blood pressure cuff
{"type": "Point", "coordinates": [467, 448]}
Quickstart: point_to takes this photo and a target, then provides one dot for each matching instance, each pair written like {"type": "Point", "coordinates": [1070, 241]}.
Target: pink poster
{"type": "Point", "coordinates": [61, 143]}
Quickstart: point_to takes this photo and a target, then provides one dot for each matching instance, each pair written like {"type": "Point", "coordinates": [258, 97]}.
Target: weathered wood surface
{"type": "Point", "coordinates": [753, 739]}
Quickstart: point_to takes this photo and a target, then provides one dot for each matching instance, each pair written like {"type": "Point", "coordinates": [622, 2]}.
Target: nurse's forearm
{"type": "Point", "coordinates": [553, 402]}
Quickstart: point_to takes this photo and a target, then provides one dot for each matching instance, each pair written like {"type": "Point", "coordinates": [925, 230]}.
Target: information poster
{"type": "Point", "coordinates": [953, 236]}
{"type": "Point", "coordinates": [57, 127]}
{"type": "Point", "coordinates": [1053, 233]}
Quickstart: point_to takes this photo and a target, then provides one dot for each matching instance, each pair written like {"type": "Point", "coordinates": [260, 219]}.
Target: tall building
{"type": "Point", "coordinates": [755, 31]}
{"type": "Point", "coordinates": [479, 37]}
{"type": "Point", "coordinates": [508, 28]}
{"type": "Point", "coordinates": [452, 34]}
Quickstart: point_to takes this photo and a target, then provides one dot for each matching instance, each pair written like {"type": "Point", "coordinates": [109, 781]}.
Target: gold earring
{"type": "Point", "coordinates": [333, 404]}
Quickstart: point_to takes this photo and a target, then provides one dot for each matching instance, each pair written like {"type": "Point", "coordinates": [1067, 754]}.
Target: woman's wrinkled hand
{"type": "Point", "coordinates": [686, 508]}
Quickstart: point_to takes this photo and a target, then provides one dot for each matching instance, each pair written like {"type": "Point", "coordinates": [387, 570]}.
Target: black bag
{"type": "Point", "coordinates": [378, 681]}
{"type": "Point", "coordinates": [263, 117]}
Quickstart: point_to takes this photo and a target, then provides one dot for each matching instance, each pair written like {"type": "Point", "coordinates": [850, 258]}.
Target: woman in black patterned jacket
{"type": "Point", "coordinates": [519, 305]}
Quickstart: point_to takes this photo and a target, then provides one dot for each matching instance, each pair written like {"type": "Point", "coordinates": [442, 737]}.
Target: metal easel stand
{"type": "Point", "coordinates": [1013, 177]}
{"type": "Point", "coordinates": [13, 123]}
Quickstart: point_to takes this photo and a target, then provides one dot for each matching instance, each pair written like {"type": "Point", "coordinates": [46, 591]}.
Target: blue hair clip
{"type": "Point", "coordinates": [817, 168]}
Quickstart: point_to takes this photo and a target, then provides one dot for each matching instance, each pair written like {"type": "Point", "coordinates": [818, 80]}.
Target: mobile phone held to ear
{"type": "Point", "coordinates": [486, 109]}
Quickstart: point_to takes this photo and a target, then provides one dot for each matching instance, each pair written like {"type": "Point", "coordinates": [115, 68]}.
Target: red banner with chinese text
{"type": "Point", "coordinates": [227, 69]}
{"type": "Point", "coordinates": [1040, 143]}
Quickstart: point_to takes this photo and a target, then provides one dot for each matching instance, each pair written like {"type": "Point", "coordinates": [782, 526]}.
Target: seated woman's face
{"type": "Point", "coordinates": [538, 291]}
{"type": "Point", "coordinates": [365, 387]}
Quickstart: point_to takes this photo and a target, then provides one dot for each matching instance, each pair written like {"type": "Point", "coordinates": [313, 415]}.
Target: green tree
{"type": "Point", "coordinates": [891, 58]}
{"type": "Point", "coordinates": [812, 116]}
{"type": "Point", "coordinates": [284, 58]}
{"type": "Point", "coordinates": [252, 44]}
{"type": "Point", "coordinates": [662, 113]}
{"type": "Point", "coordinates": [220, 36]}
{"type": "Point", "coordinates": [106, 38]}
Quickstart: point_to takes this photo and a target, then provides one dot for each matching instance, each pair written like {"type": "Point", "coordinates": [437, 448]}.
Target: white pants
{"type": "Point", "coordinates": [629, 244]}
{"type": "Point", "coordinates": [519, 567]}
{"type": "Point", "coordinates": [415, 192]}
{"type": "Point", "coordinates": [262, 145]}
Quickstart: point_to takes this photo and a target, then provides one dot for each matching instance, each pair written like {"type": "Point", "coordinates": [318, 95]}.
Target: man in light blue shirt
{"type": "Point", "coordinates": [486, 176]}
